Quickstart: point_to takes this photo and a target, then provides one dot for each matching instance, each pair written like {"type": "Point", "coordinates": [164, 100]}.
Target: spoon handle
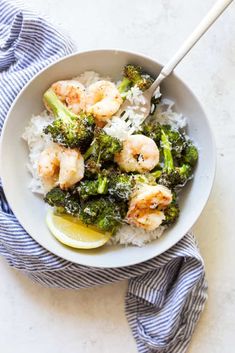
{"type": "Point", "coordinates": [203, 26]}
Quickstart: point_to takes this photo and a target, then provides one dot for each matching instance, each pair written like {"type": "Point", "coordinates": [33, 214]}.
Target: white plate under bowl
{"type": "Point", "coordinates": [30, 209]}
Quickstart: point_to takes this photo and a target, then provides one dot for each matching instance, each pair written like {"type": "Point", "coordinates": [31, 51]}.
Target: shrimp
{"type": "Point", "coordinates": [72, 93]}
{"type": "Point", "coordinates": [48, 166]}
{"type": "Point", "coordinates": [151, 196]}
{"type": "Point", "coordinates": [139, 154]}
{"type": "Point", "coordinates": [103, 101]}
{"type": "Point", "coordinates": [60, 166]}
{"type": "Point", "coordinates": [71, 168]}
{"type": "Point", "coordinates": [146, 219]}
{"type": "Point", "coordinates": [147, 204]}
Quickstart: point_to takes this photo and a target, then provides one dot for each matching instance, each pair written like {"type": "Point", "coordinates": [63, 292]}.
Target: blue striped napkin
{"type": "Point", "coordinates": [166, 294]}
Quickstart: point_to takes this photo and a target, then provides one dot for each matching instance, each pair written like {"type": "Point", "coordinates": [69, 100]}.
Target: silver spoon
{"type": "Point", "coordinates": [144, 109]}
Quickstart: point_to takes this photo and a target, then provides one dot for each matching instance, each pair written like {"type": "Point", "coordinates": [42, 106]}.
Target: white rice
{"type": "Point", "coordinates": [165, 115]}
{"type": "Point", "coordinates": [89, 77]}
{"type": "Point", "coordinates": [118, 127]}
{"type": "Point", "coordinates": [37, 141]}
{"type": "Point", "coordinates": [129, 235]}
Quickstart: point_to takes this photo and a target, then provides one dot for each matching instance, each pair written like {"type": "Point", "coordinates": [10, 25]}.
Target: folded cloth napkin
{"type": "Point", "coordinates": [166, 294]}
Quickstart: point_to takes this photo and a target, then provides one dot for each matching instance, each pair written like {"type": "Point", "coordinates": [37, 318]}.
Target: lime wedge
{"type": "Point", "coordinates": [72, 232]}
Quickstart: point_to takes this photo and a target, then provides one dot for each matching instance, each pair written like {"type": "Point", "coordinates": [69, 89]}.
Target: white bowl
{"type": "Point", "coordinates": [30, 209]}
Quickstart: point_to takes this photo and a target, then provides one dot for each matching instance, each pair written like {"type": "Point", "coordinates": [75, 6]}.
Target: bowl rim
{"type": "Point", "coordinates": [137, 54]}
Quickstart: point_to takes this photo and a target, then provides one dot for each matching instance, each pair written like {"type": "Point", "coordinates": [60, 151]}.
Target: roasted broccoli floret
{"type": "Point", "coordinates": [56, 197]}
{"type": "Point", "coordinates": [63, 200]}
{"type": "Point", "coordinates": [147, 178]}
{"type": "Point", "coordinates": [190, 154]}
{"type": "Point", "coordinates": [72, 205]}
{"type": "Point", "coordinates": [124, 85]}
{"type": "Point", "coordinates": [172, 176]}
{"type": "Point", "coordinates": [177, 154]}
{"type": "Point", "coordinates": [68, 129]}
{"type": "Point", "coordinates": [171, 212]}
{"type": "Point", "coordinates": [137, 77]}
{"type": "Point", "coordinates": [100, 152]}
{"type": "Point", "coordinates": [105, 212]}
{"type": "Point", "coordinates": [176, 139]}
{"type": "Point", "coordinates": [168, 158]}
{"type": "Point", "coordinates": [89, 188]}
{"type": "Point", "coordinates": [156, 173]}
{"type": "Point", "coordinates": [177, 178]}
{"type": "Point", "coordinates": [103, 147]}
{"type": "Point", "coordinates": [133, 76]}
{"type": "Point", "coordinates": [153, 130]}
{"type": "Point", "coordinates": [92, 168]}
{"type": "Point", "coordinates": [184, 171]}
{"type": "Point", "coordinates": [120, 186]}
{"type": "Point", "coordinates": [108, 146]}
{"type": "Point", "coordinates": [182, 149]}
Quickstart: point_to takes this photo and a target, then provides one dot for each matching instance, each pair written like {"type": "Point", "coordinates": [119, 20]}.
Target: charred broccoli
{"type": "Point", "coordinates": [92, 168]}
{"type": "Point", "coordinates": [120, 186]}
{"type": "Point", "coordinates": [171, 175]}
{"type": "Point", "coordinates": [101, 151]}
{"type": "Point", "coordinates": [68, 129]}
{"type": "Point", "coordinates": [176, 139]}
{"type": "Point", "coordinates": [190, 154]}
{"type": "Point", "coordinates": [153, 130]}
{"type": "Point", "coordinates": [177, 154]}
{"type": "Point", "coordinates": [103, 212]}
{"type": "Point", "coordinates": [108, 146]}
{"type": "Point", "coordinates": [133, 76]}
{"type": "Point", "coordinates": [63, 200]}
{"type": "Point", "coordinates": [89, 188]}
{"type": "Point", "coordinates": [103, 147]}
{"type": "Point", "coordinates": [56, 197]}
{"type": "Point", "coordinates": [171, 212]}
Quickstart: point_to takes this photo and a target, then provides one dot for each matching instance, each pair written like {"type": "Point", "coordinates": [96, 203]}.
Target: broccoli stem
{"type": "Point", "coordinates": [168, 159]}
{"type": "Point", "coordinates": [56, 106]}
{"type": "Point", "coordinates": [124, 85]}
{"type": "Point", "coordinates": [102, 185]}
{"type": "Point", "coordinates": [89, 151]}
{"type": "Point", "coordinates": [185, 170]}
{"type": "Point", "coordinates": [93, 150]}
{"type": "Point", "coordinates": [157, 174]}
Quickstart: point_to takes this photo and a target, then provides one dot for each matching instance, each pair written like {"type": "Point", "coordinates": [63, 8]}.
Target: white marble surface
{"type": "Point", "coordinates": [35, 319]}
